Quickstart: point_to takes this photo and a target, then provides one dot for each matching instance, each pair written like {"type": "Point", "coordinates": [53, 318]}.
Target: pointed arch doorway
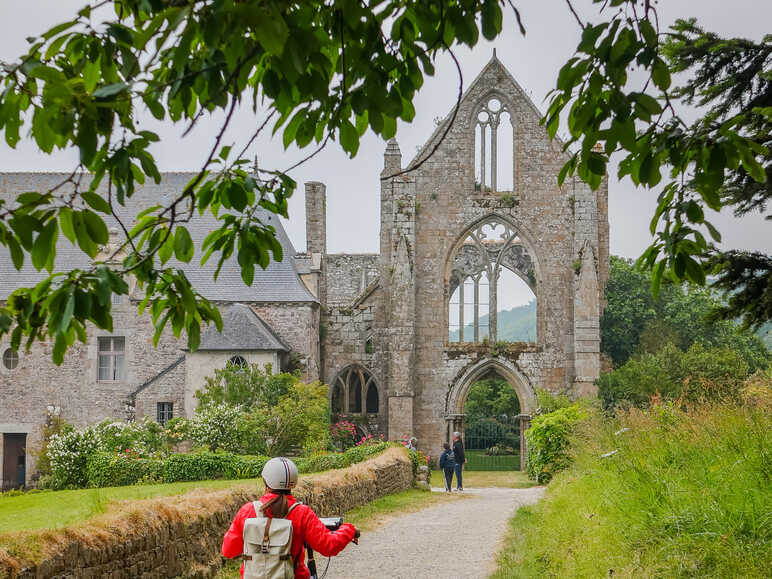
{"type": "Point", "coordinates": [500, 429]}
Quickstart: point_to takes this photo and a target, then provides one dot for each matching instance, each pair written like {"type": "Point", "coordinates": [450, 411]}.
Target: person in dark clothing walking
{"type": "Point", "coordinates": [458, 452]}
{"type": "Point", "coordinates": [447, 464]}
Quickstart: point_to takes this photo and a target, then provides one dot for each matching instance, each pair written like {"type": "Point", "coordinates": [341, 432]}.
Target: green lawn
{"type": "Point", "coordinates": [477, 460]}
{"type": "Point", "coordinates": [512, 479]}
{"type": "Point", "coordinates": [51, 510]}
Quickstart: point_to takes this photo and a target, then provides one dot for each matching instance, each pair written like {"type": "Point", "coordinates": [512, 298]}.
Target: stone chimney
{"type": "Point", "coordinates": [316, 218]}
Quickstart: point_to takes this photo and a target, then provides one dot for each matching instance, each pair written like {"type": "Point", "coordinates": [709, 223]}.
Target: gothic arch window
{"type": "Point", "coordinates": [353, 391]}
{"type": "Point", "coordinates": [494, 147]}
{"type": "Point", "coordinates": [237, 362]}
{"type": "Point", "coordinates": [492, 283]}
{"type": "Point", "coordinates": [372, 399]}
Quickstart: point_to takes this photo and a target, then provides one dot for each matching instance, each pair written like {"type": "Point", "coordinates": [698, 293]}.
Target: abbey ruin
{"type": "Point", "coordinates": [399, 336]}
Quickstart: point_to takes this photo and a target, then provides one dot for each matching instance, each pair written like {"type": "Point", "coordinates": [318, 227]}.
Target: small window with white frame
{"type": "Point", "coordinates": [164, 412]}
{"type": "Point", "coordinates": [112, 359]}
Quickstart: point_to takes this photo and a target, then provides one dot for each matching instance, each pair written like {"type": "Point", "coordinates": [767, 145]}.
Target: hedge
{"type": "Point", "coordinates": [106, 469]}
{"type": "Point", "coordinates": [548, 441]}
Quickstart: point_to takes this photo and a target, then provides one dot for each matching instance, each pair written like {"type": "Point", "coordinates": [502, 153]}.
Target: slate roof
{"type": "Point", "coordinates": [279, 282]}
{"type": "Point", "coordinates": [242, 329]}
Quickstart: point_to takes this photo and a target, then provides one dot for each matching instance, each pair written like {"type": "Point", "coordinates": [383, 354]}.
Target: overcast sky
{"type": "Point", "coordinates": [352, 185]}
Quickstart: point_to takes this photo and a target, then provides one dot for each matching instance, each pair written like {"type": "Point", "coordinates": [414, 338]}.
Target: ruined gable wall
{"type": "Point", "coordinates": [348, 275]}
{"type": "Point", "coordinates": [448, 205]}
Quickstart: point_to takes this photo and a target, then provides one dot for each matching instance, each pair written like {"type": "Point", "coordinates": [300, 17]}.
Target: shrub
{"type": "Point", "coordinates": [418, 459]}
{"type": "Point", "coordinates": [106, 469]}
{"type": "Point", "coordinates": [548, 441]}
{"type": "Point", "coordinates": [68, 455]}
{"type": "Point", "coordinates": [699, 374]}
{"type": "Point", "coordinates": [199, 466]}
{"type": "Point", "coordinates": [219, 427]}
{"type": "Point", "coordinates": [321, 461]}
{"type": "Point", "coordinates": [343, 434]}
{"type": "Point", "coordinates": [549, 402]}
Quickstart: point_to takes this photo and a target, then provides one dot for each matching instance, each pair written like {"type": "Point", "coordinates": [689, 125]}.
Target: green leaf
{"type": "Point", "coordinates": [96, 202]}
{"type": "Point", "coordinates": [45, 245]}
{"type": "Point", "coordinates": [270, 30]}
{"type": "Point", "coordinates": [69, 308]}
{"type": "Point", "coordinates": [491, 19]}
{"type": "Point", "coordinates": [66, 224]}
{"type": "Point", "coordinates": [183, 244]}
{"type": "Point", "coordinates": [17, 255]}
{"type": "Point", "coordinates": [349, 137]}
{"type": "Point", "coordinates": [660, 74]}
{"type": "Point", "coordinates": [752, 166]}
{"type": "Point", "coordinates": [113, 89]}
{"type": "Point", "coordinates": [167, 248]}
{"type": "Point", "coordinates": [97, 230]}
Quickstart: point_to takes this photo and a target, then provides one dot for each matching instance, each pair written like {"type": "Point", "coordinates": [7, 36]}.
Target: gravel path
{"type": "Point", "coordinates": [425, 544]}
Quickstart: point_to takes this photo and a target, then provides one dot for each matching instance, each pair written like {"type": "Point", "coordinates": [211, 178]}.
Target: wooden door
{"type": "Point", "coordinates": [14, 460]}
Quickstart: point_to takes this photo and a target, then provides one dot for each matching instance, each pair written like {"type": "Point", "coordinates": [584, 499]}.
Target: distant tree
{"type": "Point", "coordinates": [491, 398]}
{"type": "Point", "coordinates": [698, 374]}
{"type": "Point", "coordinates": [635, 322]}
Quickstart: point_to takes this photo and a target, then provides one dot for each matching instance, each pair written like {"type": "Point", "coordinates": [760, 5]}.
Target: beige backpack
{"type": "Point", "coordinates": [267, 545]}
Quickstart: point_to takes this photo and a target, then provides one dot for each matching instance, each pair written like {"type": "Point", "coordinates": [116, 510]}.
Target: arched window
{"type": "Point", "coordinates": [492, 286]}
{"type": "Point", "coordinates": [351, 388]}
{"type": "Point", "coordinates": [372, 399]}
{"type": "Point", "coordinates": [338, 397]}
{"type": "Point", "coordinates": [237, 362]}
{"type": "Point", "coordinates": [494, 148]}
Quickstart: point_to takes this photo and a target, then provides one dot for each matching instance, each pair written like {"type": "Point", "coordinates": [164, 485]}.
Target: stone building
{"type": "Point", "coordinates": [400, 336]}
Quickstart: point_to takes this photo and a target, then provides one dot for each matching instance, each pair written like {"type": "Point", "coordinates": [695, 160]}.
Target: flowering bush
{"type": "Point", "coordinates": [344, 434]}
{"type": "Point", "coordinates": [219, 426]}
{"type": "Point", "coordinates": [370, 440]}
{"type": "Point", "coordinates": [68, 455]}
{"type": "Point", "coordinates": [67, 452]}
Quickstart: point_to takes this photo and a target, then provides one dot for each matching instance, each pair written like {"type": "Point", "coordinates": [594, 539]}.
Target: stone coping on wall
{"type": "Point", "coordinates": [180, 536]}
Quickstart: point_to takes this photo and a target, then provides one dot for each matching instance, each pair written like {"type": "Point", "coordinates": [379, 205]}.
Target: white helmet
{"type": "Point", "coordinates": [280, 474]}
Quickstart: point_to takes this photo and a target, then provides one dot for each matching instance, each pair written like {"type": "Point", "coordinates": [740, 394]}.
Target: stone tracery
{"type": "Point", "coordinates": [488, 246]}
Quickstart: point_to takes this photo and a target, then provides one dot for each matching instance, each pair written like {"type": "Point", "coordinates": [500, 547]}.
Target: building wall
{"type": "Point", "coordinates": [297, 324]}
{"type": "Point", "coordinates": [202, 364]}
{"type": "Point", "coordinates": [348, 275]}
{"type": "Point", "coordinates": [37, 386]}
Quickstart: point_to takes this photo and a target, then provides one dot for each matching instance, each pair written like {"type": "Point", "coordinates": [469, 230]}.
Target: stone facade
{"type": "Point", "coordinates": [401, 302]}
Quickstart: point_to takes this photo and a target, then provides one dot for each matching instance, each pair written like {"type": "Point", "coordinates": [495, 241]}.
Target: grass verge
{"type": "Point", "coordinates": [686, 494]}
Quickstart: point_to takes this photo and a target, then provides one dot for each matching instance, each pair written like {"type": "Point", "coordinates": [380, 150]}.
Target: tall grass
{"type": "Point", "coordinates": [684, 494]}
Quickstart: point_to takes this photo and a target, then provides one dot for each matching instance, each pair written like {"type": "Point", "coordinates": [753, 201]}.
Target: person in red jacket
{"type": "Point", "coordinates": [280, 476]}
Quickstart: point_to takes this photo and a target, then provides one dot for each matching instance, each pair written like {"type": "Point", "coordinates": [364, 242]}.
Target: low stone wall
{"type": "Point", "coordinates": [181, 535]}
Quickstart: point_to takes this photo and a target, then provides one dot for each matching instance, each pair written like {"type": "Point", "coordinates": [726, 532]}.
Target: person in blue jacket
{"type": "Point", "coordinates": [447, 464]}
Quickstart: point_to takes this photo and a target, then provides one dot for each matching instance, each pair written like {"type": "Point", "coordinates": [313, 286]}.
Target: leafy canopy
{"type": "Point", "coordinates": [313, 71]}
{"type": "Point", "coordinates": [723, 159]}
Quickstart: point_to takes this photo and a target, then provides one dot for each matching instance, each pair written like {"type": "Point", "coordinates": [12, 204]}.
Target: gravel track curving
{"type": "Point", "coordinates": [455, 540]}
